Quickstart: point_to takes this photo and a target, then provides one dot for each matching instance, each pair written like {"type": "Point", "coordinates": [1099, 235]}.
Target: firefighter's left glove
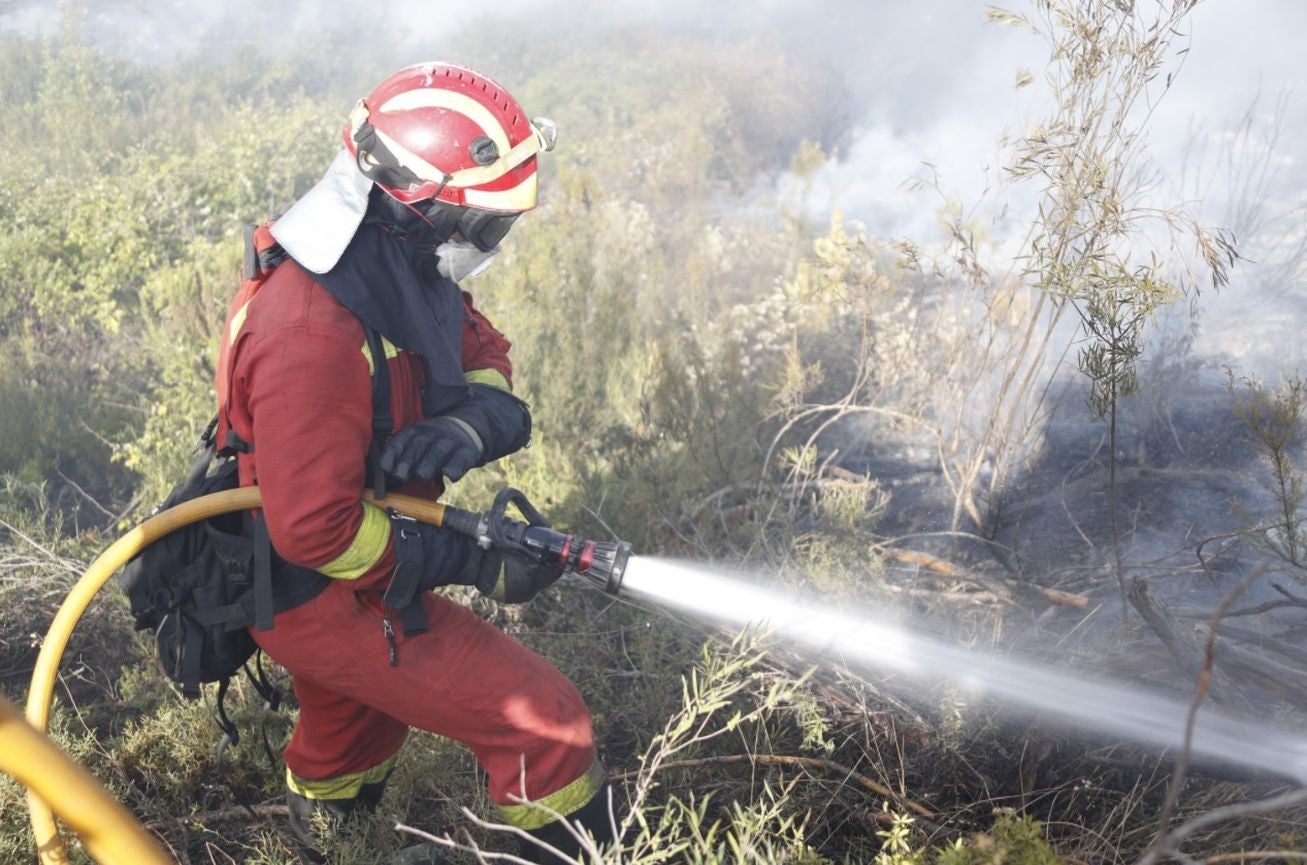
{"type": "Point", "coordinates": [489, 424]}
{"type": "Point", "coordinates": [434, 556]}
{"type": "Point", "coordinates": [517, 580]}
{"type": "Point", "coordinates": [425, 557]}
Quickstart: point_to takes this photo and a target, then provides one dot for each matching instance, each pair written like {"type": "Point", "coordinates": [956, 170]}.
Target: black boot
{"type": "Point", "coordinates": [593, 818]}
{"type": "Point", "coordinates": [308, 844]}
{"type": "Point", "coordinates": [302, 811]}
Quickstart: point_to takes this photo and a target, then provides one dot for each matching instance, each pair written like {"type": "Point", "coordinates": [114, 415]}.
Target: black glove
{"type": "Point", "coordinates": [436, 556]}
{"type": "Point", "coordinates": [489, 424]}
{"type": "Point", "coordinates": [443, 557]}
{"type": "Point", "coordinates": [456, 559]}
{"type": "Point", "coordinates": [438, 445]}
{"type": "Point", "coordinates": [425, 557]}
{"type": "Point", "coordinates": [510, 579]}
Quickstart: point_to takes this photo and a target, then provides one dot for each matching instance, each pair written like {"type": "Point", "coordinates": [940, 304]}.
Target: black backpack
{"type": "Point", "coordinates": [200, 587]}
{"type": "Point", "coordinates": [195, 588]}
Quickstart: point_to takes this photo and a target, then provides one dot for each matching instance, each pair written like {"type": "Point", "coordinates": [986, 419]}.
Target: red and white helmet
{"type": "Point", "coordinates": [444, 140]}
{"type": "Point", "coordinates": [444, 132]}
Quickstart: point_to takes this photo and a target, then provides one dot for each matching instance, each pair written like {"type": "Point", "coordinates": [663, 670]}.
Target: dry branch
{"type": "Point", "coordinates": [1167, 846]}
{"type": "Point", "coordinates": [1290, 600]}
{"type": "Point", "coordinates": [789, 760]}
{"type": "Point", "coordinates": [1256, 856]}
{"type": "Point", "coordinates": [223, 815]}
{"type": "Point", "coordinates": [1183, 646]}
{"type": "Point", "coordinates": [1270, 644]}
{"type": "Point", "coordinates": [1004, 588]}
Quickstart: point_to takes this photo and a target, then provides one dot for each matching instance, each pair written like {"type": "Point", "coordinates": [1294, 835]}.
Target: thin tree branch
{"type": "Point", "coordinates": [223, 815]}
{"type": "Point", "coordinates": [84, 494]}
{"type": "Point", "coordinates": [1200, 694]}
{"type": "Point", "coordinates": [1166, 846]}
{"type": "Point", "coordinates": [789, 760]}
{"type": "Point", "coordinates": [1255, 856]}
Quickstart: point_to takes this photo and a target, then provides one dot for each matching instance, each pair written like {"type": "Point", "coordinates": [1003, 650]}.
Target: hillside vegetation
{"type": "Point", "coordinates": [1007, 455]}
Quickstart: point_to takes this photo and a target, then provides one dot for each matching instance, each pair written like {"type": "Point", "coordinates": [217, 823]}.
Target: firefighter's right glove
{"type": "Point", "coordinates": [489, 424]}
{"type": "Point", "coordinates": [439, 445]}
{"type": "Point", "coordinates": [514, 580]}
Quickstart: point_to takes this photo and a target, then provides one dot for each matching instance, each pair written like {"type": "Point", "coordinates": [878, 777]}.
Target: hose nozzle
{"type": "Point", "coordinates": [601, 562]}
{"type": "Point", "coordinates": [607, 564]}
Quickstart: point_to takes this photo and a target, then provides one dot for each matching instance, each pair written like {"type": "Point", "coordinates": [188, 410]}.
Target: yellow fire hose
{"type": "Point", "coordinates": [111, 833]}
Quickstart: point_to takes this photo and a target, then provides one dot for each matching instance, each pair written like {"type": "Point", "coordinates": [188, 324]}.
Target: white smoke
{"type": "Point", "coordinates": [931, 94]}
{"type": "Point", "coordinates": [1223, 140]}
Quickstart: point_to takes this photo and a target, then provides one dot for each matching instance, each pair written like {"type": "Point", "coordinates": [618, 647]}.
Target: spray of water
{"type": "Point", "coordinates": [1103, 707]}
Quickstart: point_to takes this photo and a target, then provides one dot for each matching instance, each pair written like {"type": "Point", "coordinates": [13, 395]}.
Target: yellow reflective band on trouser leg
{"type": "Point", "coordinates": [492, 377]}
{"type": "Point", "coordinates": [547, 809]}
{"type": "Point", "coordinates": [365, 550]}
{"type": "Point", "coordinates": [342, 786]}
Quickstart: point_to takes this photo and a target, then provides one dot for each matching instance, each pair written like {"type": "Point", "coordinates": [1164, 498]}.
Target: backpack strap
{"type": "Point", "coordinates": [230, 734]}
{"type": "Point", "coordinates": [278, 584]}
{"type": "Point", "coordinates": [191, 657]}
{"type": "Point", "coordinates": [263, 601]}
{"type": "Point", "coordinates": [262, 251]}
{"type": "Point", "coordinates": [402, 595]}
{"type": "Point", "coordinates": [382, 421]}
{"type": "Point", "coordinates": [272, 697]}
{"type": "Point", "coordinates": [405, 584]}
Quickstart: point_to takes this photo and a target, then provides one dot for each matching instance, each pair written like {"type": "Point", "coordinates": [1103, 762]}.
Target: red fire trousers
{"type": "Point", "coordinates": [462, 679]}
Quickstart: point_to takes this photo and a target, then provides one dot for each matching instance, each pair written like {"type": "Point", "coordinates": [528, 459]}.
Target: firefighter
{"type": "Point", "coordinates": [438, 162]}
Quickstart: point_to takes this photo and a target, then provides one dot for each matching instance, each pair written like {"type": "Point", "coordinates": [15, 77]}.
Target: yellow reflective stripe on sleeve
{"type": "Point", "coordinates": [367, 547]}
{"type": "Point", "coordinates": [388, 348]}
{"type": "Point", "coordinates": [492, 377]}
{"type": "Point", "coordinates": [543, 811]}
{"type": "Point", "coordinates": [342, 786]}
{"type": "Point", "coordinates": [501, 587]}
{"type": "Point", "coordinates": [237, 320]}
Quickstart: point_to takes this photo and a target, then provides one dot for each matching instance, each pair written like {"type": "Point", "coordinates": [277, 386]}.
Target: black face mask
{"type": "Point", "coordinates": [432, 222]}
{"type": "Point", "coordinates": [481, 228]}
{"type": "Point", "coordinates": [406, 221]}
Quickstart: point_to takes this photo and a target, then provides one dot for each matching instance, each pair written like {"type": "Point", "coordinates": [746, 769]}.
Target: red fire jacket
{"type": "Point", "coordinates": [294, 380]}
